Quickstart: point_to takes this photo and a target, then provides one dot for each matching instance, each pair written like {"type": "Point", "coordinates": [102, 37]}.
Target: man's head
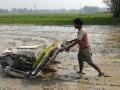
{"type": "Point", "coordinates": [77, 23]}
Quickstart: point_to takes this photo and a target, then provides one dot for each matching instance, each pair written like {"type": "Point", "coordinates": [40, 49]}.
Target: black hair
{"type": "Point", "coordinates": [78, 21]}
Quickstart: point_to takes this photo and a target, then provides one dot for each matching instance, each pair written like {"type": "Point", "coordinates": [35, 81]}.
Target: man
{"type": "Point", "coordinates": [84, 48]}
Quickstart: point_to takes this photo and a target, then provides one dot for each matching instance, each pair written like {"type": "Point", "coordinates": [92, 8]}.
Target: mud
{"type": "Point", "coordinates": [105, 45]}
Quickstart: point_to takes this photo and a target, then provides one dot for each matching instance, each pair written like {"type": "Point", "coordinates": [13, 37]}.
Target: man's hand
{"type": "Point", "coordinates": [67, 49]}
{"type": "Point", "coordinates": [71, 41]}
{"type": "Point", "coordinates": [67, 42]}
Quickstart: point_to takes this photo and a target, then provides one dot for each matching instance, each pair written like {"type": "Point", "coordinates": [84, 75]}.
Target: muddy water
{"type": "Point", "coordinates": [105, 45]}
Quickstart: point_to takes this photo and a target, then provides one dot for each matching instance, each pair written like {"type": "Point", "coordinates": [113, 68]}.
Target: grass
{"type": "Point", "coordinates": [58, 18]}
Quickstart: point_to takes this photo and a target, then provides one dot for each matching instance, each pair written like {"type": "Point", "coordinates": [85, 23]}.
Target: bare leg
{"type": "Point", "coordinates": [81, 68]}
{"type": "Point", "coordinates": [95, 67]}
{"type": "Point", "coordinates": [81, 64]}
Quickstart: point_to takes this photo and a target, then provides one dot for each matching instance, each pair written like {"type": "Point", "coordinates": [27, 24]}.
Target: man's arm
{"type": "Point", "coordinates": [71, 40]}
{"type": "Point", "coordinates": [74, 42]}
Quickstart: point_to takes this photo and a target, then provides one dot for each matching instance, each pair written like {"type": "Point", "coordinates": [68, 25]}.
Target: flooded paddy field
{"type": "Point", "coordinates": [105, 45]}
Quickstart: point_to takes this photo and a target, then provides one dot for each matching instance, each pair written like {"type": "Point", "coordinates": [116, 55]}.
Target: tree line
{"type": "Point", "coordinates": [114, 6]}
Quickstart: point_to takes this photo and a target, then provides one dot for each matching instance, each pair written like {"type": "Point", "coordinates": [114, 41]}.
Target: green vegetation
{"type": "Point", "coordinates": [58, 18]}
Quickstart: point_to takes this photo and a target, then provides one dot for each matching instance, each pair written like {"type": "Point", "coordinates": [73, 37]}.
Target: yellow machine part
{"type": "Point", "coordinates": [41, 56]}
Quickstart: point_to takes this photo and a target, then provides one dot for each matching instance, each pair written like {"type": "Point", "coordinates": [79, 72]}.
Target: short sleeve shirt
{"type": "Point", "coordinates": [82, 36]}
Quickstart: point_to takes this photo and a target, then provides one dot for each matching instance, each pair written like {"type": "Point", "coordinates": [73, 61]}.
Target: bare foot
{"type": "Point", "coordinates": [103, 75]}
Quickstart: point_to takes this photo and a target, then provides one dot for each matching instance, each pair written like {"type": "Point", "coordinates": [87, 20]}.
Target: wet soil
{"type": "Point", "coordinates": [105, 45]}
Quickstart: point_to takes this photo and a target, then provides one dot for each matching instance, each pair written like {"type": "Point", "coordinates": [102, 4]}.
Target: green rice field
{"type": "Point", "coordinates": [58, 18]}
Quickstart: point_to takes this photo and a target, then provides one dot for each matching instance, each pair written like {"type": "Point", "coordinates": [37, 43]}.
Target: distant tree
{"type": "Point", "coordinates": [90, 9]}
{"type": "Point", "coordinates": [114, 6]}
{"type": "Point", "coordinates": [4, 10]}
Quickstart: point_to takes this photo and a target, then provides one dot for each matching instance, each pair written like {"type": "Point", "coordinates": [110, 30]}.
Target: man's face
{"type": "Point", "coordinates": [77, 26]}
